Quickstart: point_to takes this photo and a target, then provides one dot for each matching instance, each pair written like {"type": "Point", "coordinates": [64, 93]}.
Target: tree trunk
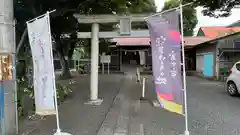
{"type": "Point", "coordinates": [20, 44]}
{"type": "Point", "coordinates": [65, 73]}
{"type": "Point", "coordinates": [70, 53]}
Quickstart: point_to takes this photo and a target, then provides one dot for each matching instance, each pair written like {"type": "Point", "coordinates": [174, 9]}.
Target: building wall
{"type": "Point", "coordinates": [200, 52]}
{"type": "Point", "coordinates": [226, 60]}
{"type": "Point", "coordinates": [228, 42]}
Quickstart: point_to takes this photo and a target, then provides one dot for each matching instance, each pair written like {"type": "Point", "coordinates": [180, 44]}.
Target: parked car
{"type": "Point", "coordinates": [233, 80]}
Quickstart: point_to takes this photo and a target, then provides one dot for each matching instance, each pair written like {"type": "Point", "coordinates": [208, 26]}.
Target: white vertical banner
{"type": "Point", "coordinates": [44, 78]}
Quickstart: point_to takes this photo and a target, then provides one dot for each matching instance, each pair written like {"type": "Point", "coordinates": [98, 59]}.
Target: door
{"type": "Point", "coordinates": [208, 65]}
{"type": "Point", "coordinates": [199, 63]}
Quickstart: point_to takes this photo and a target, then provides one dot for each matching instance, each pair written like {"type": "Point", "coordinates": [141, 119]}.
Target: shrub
{"type": "Point", "coordinates": [25, 90]}
{"type": "Point", "coordinates": [80, 69]}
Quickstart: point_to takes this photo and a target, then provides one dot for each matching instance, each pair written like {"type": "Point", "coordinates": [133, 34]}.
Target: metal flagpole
{"type": "Point", "coordinates": [14, 63]}
{"type": "Point", "coordinates": [40, 16]}
{"type": "Point", "coordinates": [58, 132]}
{"type": "Point", "coordinates": [184, 71]}
{"type": "Point", "coordinates": [55, 91]}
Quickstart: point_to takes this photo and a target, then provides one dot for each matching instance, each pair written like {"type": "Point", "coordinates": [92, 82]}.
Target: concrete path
{"type": "Point", "coordinates": [211, 110]}
{"type": "Point", "coordinates": [120, 114]}
{"type": "Point", "coordinates": [129, 116]}
{"type": "Point", "coordinates": [76, 117]}
{"type": "Point", "coordinates": [157, 121]}
{"type": "Point", "coordinates": [121, 118]}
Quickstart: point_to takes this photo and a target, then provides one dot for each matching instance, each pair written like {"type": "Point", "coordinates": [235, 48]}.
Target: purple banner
{"type": "Point", "coordinates": [166, 60]}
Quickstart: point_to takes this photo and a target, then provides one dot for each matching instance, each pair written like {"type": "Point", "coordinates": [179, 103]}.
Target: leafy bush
{"type": "Point", "coordinates": [80, 69]}
{"type": "Point", "coordinates": [63, 91]}
{"type": "Point", "coordinates": [24, 90]}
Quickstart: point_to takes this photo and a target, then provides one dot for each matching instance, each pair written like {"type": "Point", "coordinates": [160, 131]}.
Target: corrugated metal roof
{"type": "Point", "coordinates": [192, 41]}
{"type": "Point", "coordinates": [189, 41]}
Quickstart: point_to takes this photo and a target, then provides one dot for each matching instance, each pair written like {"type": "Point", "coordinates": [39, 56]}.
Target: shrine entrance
{"type": "Point", "coordinates": [125, 31]}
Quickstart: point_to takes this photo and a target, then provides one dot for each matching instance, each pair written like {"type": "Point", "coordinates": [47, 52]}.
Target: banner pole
{"type": "Point", "coordinates": [40, 16]}
{"type": "Point", "coordinates": [14, 63]}
{"type": "Point", "coordinates": [55, 91]}
{"type": "Point", "coordinates": [184, 71]}
{"type": "Point", "coordinates": [58, 132]}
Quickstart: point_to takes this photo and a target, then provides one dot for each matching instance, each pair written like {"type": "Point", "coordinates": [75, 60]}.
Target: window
{"type": "Point", "coordinates": [238, 66]}
{"type": "Point", "coordinates": [226, 57]}
{"type": "Point", "coordinates": [237, 44]}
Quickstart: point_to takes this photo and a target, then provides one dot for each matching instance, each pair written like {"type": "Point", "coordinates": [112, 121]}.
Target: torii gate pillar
{"type": "Point", "coordinates": [125, 31]}
{"type": "Point", "coordinates": [94, 66]}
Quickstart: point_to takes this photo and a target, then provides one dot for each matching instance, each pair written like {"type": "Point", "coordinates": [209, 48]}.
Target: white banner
{"type": "Point", "coordinates": [44, 78]}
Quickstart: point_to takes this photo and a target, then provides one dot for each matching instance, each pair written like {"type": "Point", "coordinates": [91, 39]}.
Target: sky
{"type": "Point", "coordinates": [208, 21]}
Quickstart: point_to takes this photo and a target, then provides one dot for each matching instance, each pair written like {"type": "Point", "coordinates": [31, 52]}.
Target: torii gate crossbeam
{"type": "Point", "coordinates": [95, 20]}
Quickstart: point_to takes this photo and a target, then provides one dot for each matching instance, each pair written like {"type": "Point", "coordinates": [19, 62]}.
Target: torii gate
{"type": "Point", "coordinates": [125, 31]}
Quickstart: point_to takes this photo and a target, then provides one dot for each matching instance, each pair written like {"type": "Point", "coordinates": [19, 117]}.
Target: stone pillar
{"type": "Point", "coordinates": [94, 65]}
{"type": "Point", "coordinates": [7, 47]}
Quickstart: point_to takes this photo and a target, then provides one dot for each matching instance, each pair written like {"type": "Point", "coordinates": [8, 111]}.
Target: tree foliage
{"type": "Point", "coordinates": [189, 16]}
{"type": "Point", "coordinates": [62, 21]}
{"type": "Point", "coordinates": [216, 8]}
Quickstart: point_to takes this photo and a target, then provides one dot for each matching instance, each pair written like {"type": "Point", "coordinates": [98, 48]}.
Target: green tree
{"type": "Point", "coordinates": [63, 22]}
{"type": "Point", "coordinates": [189, 16]}
{"type": "Point", "coordinates": [216, 8]}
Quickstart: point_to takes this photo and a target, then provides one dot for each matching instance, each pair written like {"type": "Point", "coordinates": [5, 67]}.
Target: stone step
{"type": "Point", "coordinates": [111, 121]}
{"type": "Point", "coordinates": [120, 119]}
{"type": "Point", "coordinates": [123, 119]}
{"type": "Point", "coordinates": [109, 124]}
{"type": "Point", "coordinates": [135, 125]}
{"type": "Point", "coordinates": [136, 128]}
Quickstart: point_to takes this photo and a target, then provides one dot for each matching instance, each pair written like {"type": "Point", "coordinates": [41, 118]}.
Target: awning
{"type": "Point", "coordinates": [221, 51]}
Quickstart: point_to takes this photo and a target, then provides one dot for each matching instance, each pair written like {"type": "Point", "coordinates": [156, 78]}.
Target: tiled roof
{"type": "Point", "coordinates": [189, 41]}
{"type": "Point", "coordinates": [219, 31]}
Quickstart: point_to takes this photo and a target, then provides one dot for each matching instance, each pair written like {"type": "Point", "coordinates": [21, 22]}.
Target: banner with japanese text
{"type": "Point", "coordinates": [44, 78]}
{"type": "Point", "coordinates": [166, 60]}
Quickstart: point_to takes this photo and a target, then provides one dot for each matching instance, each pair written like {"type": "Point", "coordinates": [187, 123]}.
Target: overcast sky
{"type": "Point", "coordinates": [208, 21]}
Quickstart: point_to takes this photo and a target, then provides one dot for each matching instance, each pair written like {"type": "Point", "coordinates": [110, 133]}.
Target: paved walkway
{"type": "Point", "coordinates": [121, 112]}
{"type": "Point", "coordinates": [121, 118]}
{"type": "Point", "coordinates": [76, 117]}
{"type": "Point", "coordinates": [129, 116]}
{"type": "Point", "coordinates": [211, 110]}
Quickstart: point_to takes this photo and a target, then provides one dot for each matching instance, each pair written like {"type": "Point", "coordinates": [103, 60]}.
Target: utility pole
{"type": "Point", "coordinates": [7, 49]}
